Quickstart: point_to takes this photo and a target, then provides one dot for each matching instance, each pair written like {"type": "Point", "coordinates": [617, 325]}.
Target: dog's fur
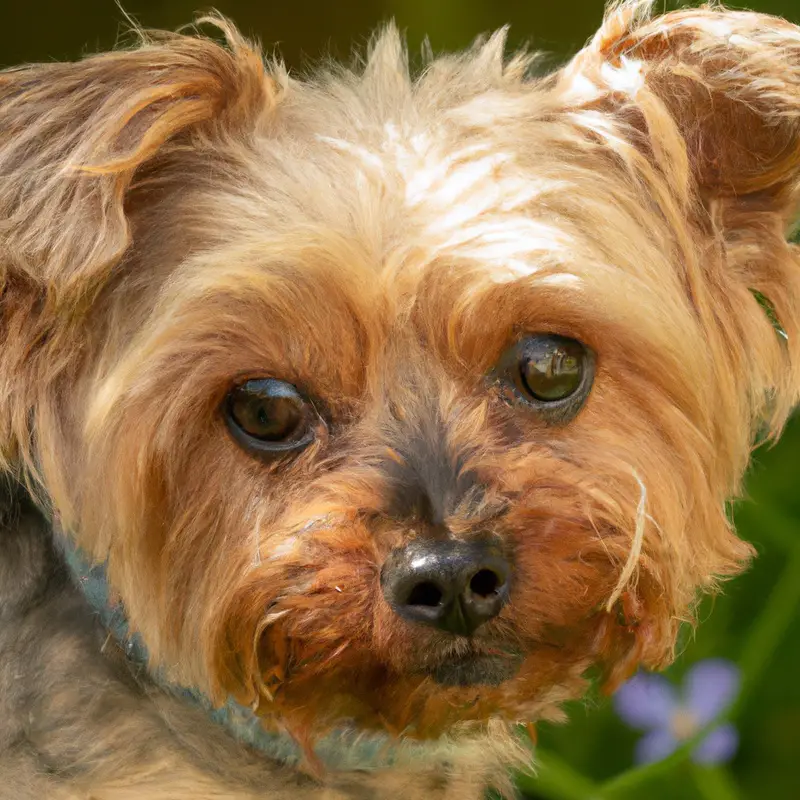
{"type": "Point", "coordinates": [178, 216]}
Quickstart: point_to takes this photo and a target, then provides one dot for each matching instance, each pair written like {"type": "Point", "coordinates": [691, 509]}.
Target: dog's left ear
{"type": "Point", "coordinates": [708, 100]}
{"type": "Point", "coordinates": [731, 81]}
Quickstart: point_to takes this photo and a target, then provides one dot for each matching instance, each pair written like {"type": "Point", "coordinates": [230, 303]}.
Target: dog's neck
{"type": "Point", "coordinates": [342, 750]}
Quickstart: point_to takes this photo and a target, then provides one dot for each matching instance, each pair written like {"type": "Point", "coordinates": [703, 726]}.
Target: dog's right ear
{"type": "Point", "coordinates": [73, 136]}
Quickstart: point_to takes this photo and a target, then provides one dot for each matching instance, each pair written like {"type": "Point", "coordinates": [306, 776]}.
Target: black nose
{"type": "Point", "coordinates": [453, 586]}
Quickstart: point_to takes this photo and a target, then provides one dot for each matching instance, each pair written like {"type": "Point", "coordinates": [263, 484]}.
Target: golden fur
{"type": "Point", "coordinates": [178, 216]}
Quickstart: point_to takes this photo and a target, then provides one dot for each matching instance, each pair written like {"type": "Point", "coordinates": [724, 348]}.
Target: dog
{"type": "Point", "coordinates": [349, 422]}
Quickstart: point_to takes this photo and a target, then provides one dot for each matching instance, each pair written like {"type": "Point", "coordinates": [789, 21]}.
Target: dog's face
{"type": "Point", "coordinates": [403, 403]}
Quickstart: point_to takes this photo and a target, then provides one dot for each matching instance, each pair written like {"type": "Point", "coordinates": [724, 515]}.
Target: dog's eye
{"type": "Point", "coordinates": [551, 373]}
{"type": "Point", "coordinates": [551, 367]}
{"type": "Point", "coordinates": [269, 416]}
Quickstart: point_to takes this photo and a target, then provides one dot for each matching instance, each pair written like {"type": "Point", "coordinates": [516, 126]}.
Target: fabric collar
{"type": "Point", "coordinates": [345, 749]}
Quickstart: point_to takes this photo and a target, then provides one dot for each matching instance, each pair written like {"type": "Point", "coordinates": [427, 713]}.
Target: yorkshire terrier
{"type": "Point", "coordinates": [349, 422]}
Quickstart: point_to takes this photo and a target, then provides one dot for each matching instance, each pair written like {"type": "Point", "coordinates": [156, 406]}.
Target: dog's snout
{"type": "Point", "coordinates": [453, 586]}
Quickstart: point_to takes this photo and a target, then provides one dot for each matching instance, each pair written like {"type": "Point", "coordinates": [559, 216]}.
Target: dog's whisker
{"type": "Point", "coordinates": [636, 545]}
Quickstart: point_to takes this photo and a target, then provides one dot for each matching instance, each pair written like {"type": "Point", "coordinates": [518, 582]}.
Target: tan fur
{"type": "Point", "coordinates": [179, 216]}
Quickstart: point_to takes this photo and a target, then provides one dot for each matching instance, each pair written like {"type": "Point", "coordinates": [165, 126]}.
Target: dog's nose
{"type": "Point", "coordinates": [452, 586]}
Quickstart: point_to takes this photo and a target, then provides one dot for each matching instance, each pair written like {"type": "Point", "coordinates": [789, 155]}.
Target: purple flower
{"type": "Point", "coordinates": [670, 716]}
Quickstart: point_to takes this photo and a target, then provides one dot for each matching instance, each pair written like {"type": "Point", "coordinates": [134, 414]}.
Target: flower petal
{"type": "Point", "coordinates": [646, 701]}
{"type": "Point", "coordinates": [710, 688]}
{"type": "Point", "coordinates": [719, 746]}
{"type": "Point", "coordinates": [655, 746]}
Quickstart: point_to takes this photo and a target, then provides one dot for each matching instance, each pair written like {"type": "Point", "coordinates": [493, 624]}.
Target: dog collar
{"type": "Point", "coordinates": [344, 749]}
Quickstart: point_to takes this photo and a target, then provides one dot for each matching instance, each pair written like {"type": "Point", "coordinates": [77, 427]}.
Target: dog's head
{"type": "Point", "coordinates": [403, 401]}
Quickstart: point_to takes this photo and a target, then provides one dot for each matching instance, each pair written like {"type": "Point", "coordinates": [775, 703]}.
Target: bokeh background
{"type": "Point", "coordinates": [756, 623]}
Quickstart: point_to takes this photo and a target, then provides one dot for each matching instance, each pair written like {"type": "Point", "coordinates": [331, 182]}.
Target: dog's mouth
{"type": "Point", "coordinates": [475, 669]}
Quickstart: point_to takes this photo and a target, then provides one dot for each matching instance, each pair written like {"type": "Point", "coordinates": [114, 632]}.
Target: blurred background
{"type": "Point", "coordinates": [756, 623]}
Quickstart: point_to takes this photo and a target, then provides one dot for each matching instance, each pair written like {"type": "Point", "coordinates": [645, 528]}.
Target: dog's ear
{"type": "Point", "coordinates": [731, 82]}
{"type": "Point", "coordinates": [709, 101]}
{"type": "Point", "coordinates": [72, 137]}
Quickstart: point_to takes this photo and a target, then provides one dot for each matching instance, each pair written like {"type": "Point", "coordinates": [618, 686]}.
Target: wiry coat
{"type": "Point", "coordinates": [176, 217]}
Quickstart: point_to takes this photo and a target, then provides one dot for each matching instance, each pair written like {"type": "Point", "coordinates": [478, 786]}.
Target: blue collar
{"type": "Point", "coordinates": [342, 750]}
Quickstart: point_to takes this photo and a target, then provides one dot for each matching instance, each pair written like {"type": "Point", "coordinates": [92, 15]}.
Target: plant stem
{"type": "Point", "coordinates": [556, 780]}
{"type": "Point", "coordinates": [715, 783]}
{"type": "Point", "coordinates": [634, 778]}
{"type": "Point", "coordinates": [767, 631]}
